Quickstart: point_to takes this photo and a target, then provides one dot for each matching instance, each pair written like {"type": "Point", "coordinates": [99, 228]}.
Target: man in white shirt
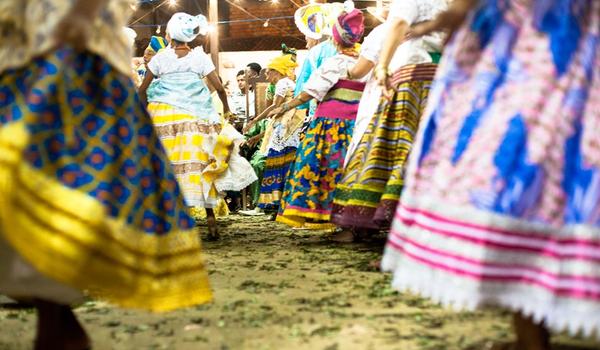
{"type": "Point", "coordinates": [238, 99]}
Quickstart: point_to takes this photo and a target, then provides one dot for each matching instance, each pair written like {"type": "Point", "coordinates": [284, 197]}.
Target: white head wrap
{"type": "Point", "coordinates": [185, 28]}
{"type": "Point", "coordinates": [130, 34]}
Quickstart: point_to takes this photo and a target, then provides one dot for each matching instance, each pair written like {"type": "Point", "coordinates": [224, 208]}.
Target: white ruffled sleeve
{"type": "Point", "coordinates": [373, 43]}
{"type": "Point", "coordinates": [407, 10]}
{"type": "Point", "coordinates": [330, 72]}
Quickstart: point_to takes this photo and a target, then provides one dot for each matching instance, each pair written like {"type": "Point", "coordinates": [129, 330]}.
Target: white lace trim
{"type": "Point", "coordinates": [461, 293]}
{"type": "Point", "coordinates": [238, 175]}
{"type": "Point", "coordinates": [278, 143]}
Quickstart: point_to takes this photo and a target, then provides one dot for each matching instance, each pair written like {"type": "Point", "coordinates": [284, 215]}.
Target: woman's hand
{"type": "Point", "coordinates": [381, 75]}
{"type": "Point", "coordinates": [449, 20]}
{"type": "Point", "coordinates": [383, 80]}
{"type": "Point", "coordinates": [230, 117]}
{"type": "Point", "coordinates": [251, 142]}
{"type": "Point", "coordinates": [276, 111]}
{"type": "Point", "coordinates": [248, 126]}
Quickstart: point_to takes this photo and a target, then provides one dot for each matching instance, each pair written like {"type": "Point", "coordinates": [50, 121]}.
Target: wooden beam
{"type": "Point", "coordinates": [213, 19]}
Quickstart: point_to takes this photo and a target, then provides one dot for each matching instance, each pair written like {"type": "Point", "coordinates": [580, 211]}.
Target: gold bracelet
{"type": "Point", "coordinates": [385, 70]}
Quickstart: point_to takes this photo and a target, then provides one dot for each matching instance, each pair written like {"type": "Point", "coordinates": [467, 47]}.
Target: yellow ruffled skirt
{"type": "Point", "coordinates": [205, 156]}
{"type": "Point", "coordinates": [88, 197]}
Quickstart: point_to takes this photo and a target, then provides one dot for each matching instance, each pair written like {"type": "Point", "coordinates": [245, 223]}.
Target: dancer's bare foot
{"type": "Point", "coordinates": [530, 335]}
{"type": "Point", "coordinates": [211, 222]}
{"type": "Point", "coordinates": [58, 328]}
{"type": "Point", "coordinates": [344, 236]}
{"type": "Point", "coordinates": [375, 265]}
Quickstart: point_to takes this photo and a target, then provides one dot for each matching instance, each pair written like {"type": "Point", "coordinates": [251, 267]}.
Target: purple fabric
{"type": "Point", "coordinates": [341, 102]}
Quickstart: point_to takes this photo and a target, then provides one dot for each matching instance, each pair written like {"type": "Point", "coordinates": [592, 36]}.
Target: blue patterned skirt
{"type": "Point", "coordinates": [89, 197]}
{"type": "Point", "coordinates": [273, 181]}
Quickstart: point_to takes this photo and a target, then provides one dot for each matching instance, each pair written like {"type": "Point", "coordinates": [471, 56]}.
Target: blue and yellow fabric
{"type": "Point", "coordinates": [273, 180]}
{"type": "Point", "coordinates": [88, 196]}
{"type": "Point", "coordinates": [316, 20]}
{"type": "Point", "coordinates": [308, 192]}
{"type": "Point", "coordinates": [157, 43]}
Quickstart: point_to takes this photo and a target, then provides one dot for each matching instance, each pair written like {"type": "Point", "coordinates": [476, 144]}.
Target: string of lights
{"type": "Point", "coordinates": [172, 3]}
{"type": "Point", "coordinates": [224, 22]}
{"type": "Point", "coordinates": [302, 2]}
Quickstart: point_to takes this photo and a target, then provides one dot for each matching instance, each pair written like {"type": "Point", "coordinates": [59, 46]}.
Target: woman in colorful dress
{"type": "Point", "coordinates": [202, 146]}
{"type": "Point", "coordinates": [156, 44]}
{"type": "Point", "coordinates": [502, 205]}
{"type": "Point", "coordinates": [281, 136]}
{"type": "Point", "coordinates": [320, 47]}
{"type": "Point", "coordinates": [277, 146]}
{"type": "Point", "coordinates": [366, 197]}
{"type": "Point", "coordinates": [89, 199]}
{"type": "Point", "coordinates": [315, 21]}
{"type": "Point", "coordinates": [319, 160]}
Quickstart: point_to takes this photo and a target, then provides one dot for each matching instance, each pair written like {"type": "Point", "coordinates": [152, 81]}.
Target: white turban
{"type": "Point", "coordinates": [185, 28]}
{"type": "Point", "coordinates": [130, 34]}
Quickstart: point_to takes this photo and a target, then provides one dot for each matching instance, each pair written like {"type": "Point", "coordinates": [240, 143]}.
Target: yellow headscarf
{"type": "Point", "coordinates": [284, 64]}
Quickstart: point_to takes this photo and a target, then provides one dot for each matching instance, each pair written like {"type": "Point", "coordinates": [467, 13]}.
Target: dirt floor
{"type": "Point", "coordinates": [277, 288]}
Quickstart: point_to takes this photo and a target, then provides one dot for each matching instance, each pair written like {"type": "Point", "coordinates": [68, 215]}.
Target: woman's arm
{"type": "Point", "coordinates": [395, 36]}
{"type": "Point", "coordinates": [251, 142]}
{"type": "Point", "coordinates": [213, 79]}
{"type": "Point", "coordinates": [264, 114]}
{"type": "Point", "coordinates": [361, 68]}
{"type": "Point", "coordinates": [144, 87]}
{"type": "Point", "coordinates": [300, 99]}
{"type": "Point", "coordinates": [449, 20]}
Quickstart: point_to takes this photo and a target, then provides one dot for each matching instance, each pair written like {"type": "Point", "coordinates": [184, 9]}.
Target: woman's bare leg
{"type": "Point", "coordinates": [58, 328]}
{"type": "Point", "coordinates": [211, 221]}
{"type": "Point", "coordinates": [530, 335]}
{"type": "Point", "coordinates": [346, 235]}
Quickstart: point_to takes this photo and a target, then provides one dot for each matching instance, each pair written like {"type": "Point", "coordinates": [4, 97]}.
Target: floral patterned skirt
{"type": "Point", "coordinates": [501, 204]}
{"type": "Point", "coordinates": [318, 167]}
